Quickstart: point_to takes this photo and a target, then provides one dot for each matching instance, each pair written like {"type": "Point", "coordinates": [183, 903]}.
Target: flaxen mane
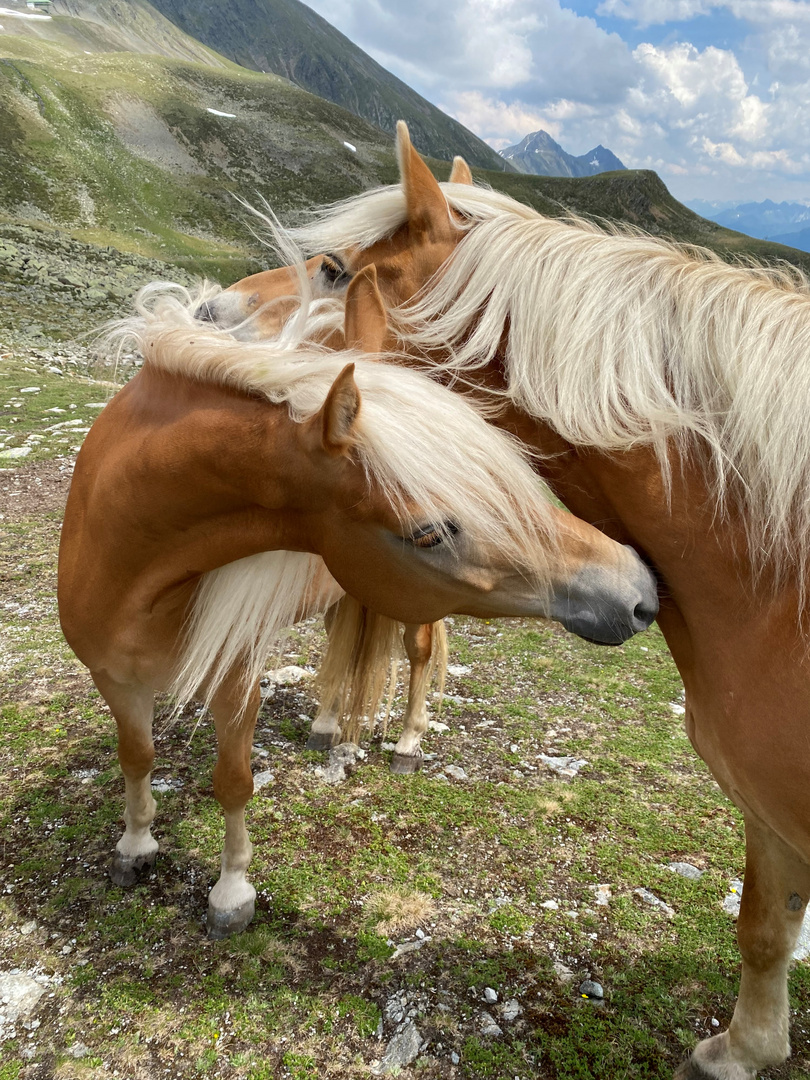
{"type": "Point", "coordinates": [618, 339]}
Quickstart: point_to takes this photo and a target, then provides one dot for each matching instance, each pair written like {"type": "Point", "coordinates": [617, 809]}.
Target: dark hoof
{"type": "Point", "coordinates": [126, 871]}
{"type": "Point", "coordinates": [319, 740]}
{"type": "Point", "coordinates": [690, 1070]}
{"type": "Point", "coordinates": [402, 764]}
{"type": "Point", "coordinates": [224, 924]}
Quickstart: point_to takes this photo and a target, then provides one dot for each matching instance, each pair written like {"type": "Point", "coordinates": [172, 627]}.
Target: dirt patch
{"type": "Point", "coordinates": [35, 490]}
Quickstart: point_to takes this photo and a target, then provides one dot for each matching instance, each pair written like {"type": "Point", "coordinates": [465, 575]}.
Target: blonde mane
{"type": "Point", "coordinates": [421, 444]}
{"type": "Point", "coordinates": [619, 339]}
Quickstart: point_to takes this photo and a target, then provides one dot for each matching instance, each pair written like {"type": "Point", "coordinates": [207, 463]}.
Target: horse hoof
{"type": "Point", "coordinates": [319, 740]}
{"type": "Point", "coordinates": [127, 870]}
{"type": "Point", "coordinates": [402, 764]}
{"type": "Point", "coordinates": [224, 924]}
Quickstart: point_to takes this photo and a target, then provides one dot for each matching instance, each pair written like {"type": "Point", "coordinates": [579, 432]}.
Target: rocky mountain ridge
{"type": "Point", "coordinates": [539, 155]}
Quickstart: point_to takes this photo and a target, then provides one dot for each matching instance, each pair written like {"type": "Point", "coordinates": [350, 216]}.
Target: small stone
{"type": "Point", "coordinates": [331, 774]}
{"type": "Point", "coordinates": [731, 902]}
{"type": "Point", "coordinates": [654, 901]}
{"type": "Point", "coordinates": [603, 895]}
{"type": "Point", "coordinates": [489, 995]}
{"type": "Point", "coordinates": [511, 1009]}
{"type": "Point", "coordinates": [438, 727]}
{"type": "Point", "coordinates": [346, 754]}
{"type": "Point", "coordinates": [166, 783]}
{"type": "Point", "coordinates": [28, 928]}
{"type": "Point", "coordinates": [454, 1058]}
{"type": "Point", "coordinates": [30, 389]}
{"type": "Point", "coordinates": [287, 676]}
{"type": "Point", "coordinates": [15, 452]}
{"type": "Point", "coordinates": [458, 669]}
{"type": "Point", "coordinates": [550, 905]}
{"type": "Point", "coordinates": [19, 996]}
{"type": "Point", "coordinates": [456, 772]}
{"type": "Point", "coordinates": [563, 766]}
{"type": "Point", "coordinates": [78, 1050]}
{"type": "Point", "coordinates": [401, 1050]}
{"type": "Point", "coordinates": [489, 1027]}
{"type": "Point", "coordinates": [677, 708]}
{"type": "Point", "coordinates": [715, 1022]}
{"type": "Point", "coordinates": [563, 972]}
{"type": "Point", "coordinates": [262, 779]}
{"type": "Point", "coordinates": [686, 870]}
{"type": "Point", "coordinates": [591, 989]}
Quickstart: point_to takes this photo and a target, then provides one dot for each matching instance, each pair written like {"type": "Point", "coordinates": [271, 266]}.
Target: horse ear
{"type": "Point", "coordinates": [366, 323]}
{"type": "Point", "coordinates": [460, 173]}
{"type": "Point", "coordinates": [338, 414]}
{"type": "Point", "coordinates": [427, 207]}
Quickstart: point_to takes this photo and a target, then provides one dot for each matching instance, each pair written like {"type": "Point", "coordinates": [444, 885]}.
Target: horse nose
{"type": "Point", "coordinates": [206, 312]}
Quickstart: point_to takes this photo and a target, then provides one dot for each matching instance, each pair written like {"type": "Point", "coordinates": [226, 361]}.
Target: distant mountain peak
{"type": "Point", "coordinates": [538, 153]}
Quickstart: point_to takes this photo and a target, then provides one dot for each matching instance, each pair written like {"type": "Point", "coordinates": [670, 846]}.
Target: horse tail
{"type": "Point", "coordinates": [438, 658]}
{"type": "Point", "coordinates": [359, 671]}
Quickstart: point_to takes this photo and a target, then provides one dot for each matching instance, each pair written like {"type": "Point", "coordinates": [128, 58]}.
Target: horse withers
{"type": "Point", "coordinates": [231, 488]}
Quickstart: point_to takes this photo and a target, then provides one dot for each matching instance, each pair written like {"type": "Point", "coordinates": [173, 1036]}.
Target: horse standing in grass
{"type": "Point", "coordinates": [231, 488]}
{"type": "Point", "coordinates": [667, 394]}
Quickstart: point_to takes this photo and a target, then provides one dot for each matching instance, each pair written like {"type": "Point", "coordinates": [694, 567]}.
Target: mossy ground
{"type": "Point", "coordinates": [347, 873]}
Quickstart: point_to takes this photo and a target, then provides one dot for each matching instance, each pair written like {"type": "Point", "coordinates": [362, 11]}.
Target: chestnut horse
{"type": "Point", "coordinates": [667, 394]}
{"type": "Point", "coordinates": [204, 484]}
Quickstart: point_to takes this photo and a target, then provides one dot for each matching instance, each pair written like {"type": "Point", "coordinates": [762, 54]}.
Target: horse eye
{"type": "Point", "coordinates": [433, 535]}
{"type": "Point", "coordinates": [334, 270]}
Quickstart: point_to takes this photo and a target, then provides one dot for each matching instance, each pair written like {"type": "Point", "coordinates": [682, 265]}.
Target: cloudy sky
{"type": "Point", "coordinates": [712, 94]}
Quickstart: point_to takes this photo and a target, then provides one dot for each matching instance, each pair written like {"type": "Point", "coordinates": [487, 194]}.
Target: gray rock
{"type": "Point", "coordinates": [686, 870]}
{"type": "Point", "coordinates": [731, 902]}
{"type": "Point", "coordinates": [262, 779]}
{"type": "Point", "coordinates": [166, 783]}
{"type": "Point", "coordinates": [401, 1050]}
{"type": "Point", "coordinates": [489, 995]}
{"type": "Point", "coordinates": [603, 895]}
{"type": "Point", "coordinates": [456, 772]}
{"type": "Point", "coordinates": [78, 1050]}
{"type": "Point", "coordinates": [511, 1009]}
{"type": "Point", "coordinates": [654, 901]}
{"type": "Point", "coordinates": [28, 928]}
{"type": "Point", "coordinates": [591, 989]}
{"type": "Point", "coordinates": [287, 676]}
{"type": "Point", "coordinates": [19, 997]}
{"type": "Point", "coordinates": [563, 766]}
{"type": "Point", "coordinates": [489, 1027]}
{"type": "Point", "coordinates": [454, 1058]}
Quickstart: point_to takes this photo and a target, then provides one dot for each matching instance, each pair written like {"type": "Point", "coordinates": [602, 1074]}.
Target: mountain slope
{"type": "Point", "coordinates": [288, 38]}
{"type": "Point", "coordinates": [539, 155]}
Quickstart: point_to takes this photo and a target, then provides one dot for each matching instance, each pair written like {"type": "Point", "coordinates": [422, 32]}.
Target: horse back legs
{"type": "Point", "coordinates": [231, 902]}
{"type": "Point", "coordinates": [132, 705]}
{"type": "Point", "coordinates": [775, 894]}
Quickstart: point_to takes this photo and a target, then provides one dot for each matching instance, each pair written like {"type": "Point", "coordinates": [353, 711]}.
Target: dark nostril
{"type": "Point", "coordinates": [644, 613]}
{"type": "Point", "coordinates": [204, 313]}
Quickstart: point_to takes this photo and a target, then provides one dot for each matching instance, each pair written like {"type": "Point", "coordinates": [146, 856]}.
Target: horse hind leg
{"type": "Point", "coordinates": [231, 902]}
{"type": "Point", "coordinates": [775, 894]}
{"type": "Point", "coordinates": [132, 705]}
{"type": "Point", "coordinates": [326, 731]}
{"type": "Point", "coordinates": [418, 641]}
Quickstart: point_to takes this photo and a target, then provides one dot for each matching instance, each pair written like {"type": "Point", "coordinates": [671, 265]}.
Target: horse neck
{"type": "Point", "coordinates": [186, 477]}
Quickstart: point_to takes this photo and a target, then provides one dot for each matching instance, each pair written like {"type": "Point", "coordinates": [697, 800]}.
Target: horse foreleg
{"type": "Point", "coordinates": [132, 705]}
{"type": "Point", "coordinates": [418, 641]}
{"type": "Point", "coordinates": [231, 902]}
{"type": "Point", "coordinates": [775, 894]}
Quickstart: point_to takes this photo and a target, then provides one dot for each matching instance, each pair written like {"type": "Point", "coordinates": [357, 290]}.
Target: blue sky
{"type": "Point", "coordinates": [712, 94]}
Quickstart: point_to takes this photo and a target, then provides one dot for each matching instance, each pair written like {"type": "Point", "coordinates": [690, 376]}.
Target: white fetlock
{"type": "Point", "coordinates": [716, 1059]}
